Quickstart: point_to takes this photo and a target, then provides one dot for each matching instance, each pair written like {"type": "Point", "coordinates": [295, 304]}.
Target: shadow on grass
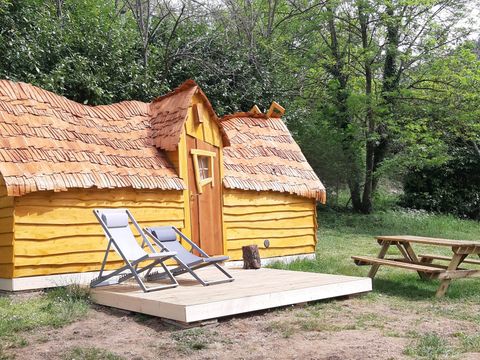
{"type": "Point", "coordinates": [408, 290]}
{"type": "Point", "coordinates": [411, 288]}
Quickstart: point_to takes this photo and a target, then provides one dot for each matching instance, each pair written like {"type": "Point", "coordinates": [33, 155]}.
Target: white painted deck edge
{"type": "Point", "coordinates": [275, 299]}
{"type": "Point", "coordinates": [229, 307]}
{"type": "Point", "coordinates": [46, 281]}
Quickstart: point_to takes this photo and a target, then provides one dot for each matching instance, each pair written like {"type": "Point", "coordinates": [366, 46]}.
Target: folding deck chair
{"type": "Point", "coordinates": [115, 224]}
{"type": "Point", "coordinates": [166, 238]}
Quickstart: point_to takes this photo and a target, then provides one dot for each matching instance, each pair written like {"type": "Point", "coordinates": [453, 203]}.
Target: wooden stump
{"type": "Point", "coordinates": [251, 257]}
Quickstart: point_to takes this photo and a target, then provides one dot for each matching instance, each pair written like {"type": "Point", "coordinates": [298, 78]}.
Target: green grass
{"type": "Point", "coordinates": [54, 308]}
{"type": "Point", "coordinates": [91, 353]}
{"type": "Point", "coordinates": [469, 343]}
{"type": "Point", "coordinates": [285, 328]}
{"type": "Point", "coordinates": [194, 339]}
{"type": "Point", "coordinates": [430, 346]}
{"type": "Point", "coordinates": [343, 234]}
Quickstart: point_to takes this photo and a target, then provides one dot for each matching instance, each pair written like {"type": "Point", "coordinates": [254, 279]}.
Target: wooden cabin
{"type": "Point", "coordinates": [226, 182]}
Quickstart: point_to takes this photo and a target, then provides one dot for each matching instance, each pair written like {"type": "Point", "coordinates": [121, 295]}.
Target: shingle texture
{"type": "Point", "coordinates": [48, 142]}
{"type": "Point", "coordinates": [263, 156]}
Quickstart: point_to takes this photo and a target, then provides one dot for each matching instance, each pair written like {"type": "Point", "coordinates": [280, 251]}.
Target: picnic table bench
{"type": "Point", "coordinates": [423, 264]}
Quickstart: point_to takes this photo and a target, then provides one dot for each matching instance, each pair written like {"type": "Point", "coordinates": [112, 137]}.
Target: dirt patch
{"type": "Point", "coordinates": [346, 329]}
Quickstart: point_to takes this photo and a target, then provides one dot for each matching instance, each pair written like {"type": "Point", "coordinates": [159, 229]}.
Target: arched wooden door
{"type": "Point", "coordinates": [205, 191]}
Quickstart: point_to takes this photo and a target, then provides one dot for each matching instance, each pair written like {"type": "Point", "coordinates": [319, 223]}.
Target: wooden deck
{"type": "Point", "coordinates": [252, 290]}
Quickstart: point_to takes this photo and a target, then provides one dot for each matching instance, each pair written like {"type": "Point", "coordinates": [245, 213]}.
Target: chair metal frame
{"type": "Point", "coordinates": [183, 267]}
{"type": "Point", "coordinates": [132, 266]}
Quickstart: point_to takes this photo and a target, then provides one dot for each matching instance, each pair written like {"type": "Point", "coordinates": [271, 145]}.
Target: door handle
{"type": "Point", "coordinates": [192, 195]}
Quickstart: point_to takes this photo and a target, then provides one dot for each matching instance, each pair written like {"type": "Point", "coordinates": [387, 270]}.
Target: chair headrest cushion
{"type": "Point", "coordinates": [115, 219]}
{"type": "Point", "coordinates": [164, 233]}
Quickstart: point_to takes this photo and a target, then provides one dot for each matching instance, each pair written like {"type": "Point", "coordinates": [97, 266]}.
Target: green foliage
{"type": "Point", "coordinates": [451, 188]}
{"type": "Point", "coordinates": [403, 100]}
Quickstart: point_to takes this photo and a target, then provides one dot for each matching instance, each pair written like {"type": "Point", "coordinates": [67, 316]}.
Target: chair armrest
{"type": "Point", "coordinates": [192, 244]}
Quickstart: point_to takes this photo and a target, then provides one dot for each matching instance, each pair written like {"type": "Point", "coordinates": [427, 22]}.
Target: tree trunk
{"type": "Point", "coordinates": [58, 6]}
{"type": "Point", "coordinates": [391, 76]}
{"type": "Point", "coordinates": [343, 117]}
{"type": "Point", "coordinates": [367, 206]}
{"type": "Point", "coordinates": [354, 186]}
{"type": "Point", "coordinates": [251, 257]}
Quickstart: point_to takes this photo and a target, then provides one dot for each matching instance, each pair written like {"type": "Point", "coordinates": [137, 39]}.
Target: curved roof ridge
{"type": "Point", "coordinates": [20, 91]}
{"type": "Point", "coordinates": [187, 84]}
{"type": "Point", "coordinates": [169, 114]}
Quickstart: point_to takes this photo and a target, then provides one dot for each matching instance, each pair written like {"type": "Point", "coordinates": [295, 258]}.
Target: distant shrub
{"type": "Point", "coordinates": [452, 188]}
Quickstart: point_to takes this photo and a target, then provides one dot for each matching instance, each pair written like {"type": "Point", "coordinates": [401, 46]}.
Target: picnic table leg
{"type": "Point", "coordinates": [456, 261]}
{"type": "Point", "coordinates": [381, 255]}
{"type": "Point", "coordinates": [413, 257]}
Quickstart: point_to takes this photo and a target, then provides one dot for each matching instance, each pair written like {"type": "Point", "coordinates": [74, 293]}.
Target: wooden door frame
{"type": "Point", "coordinates": [195, 147]}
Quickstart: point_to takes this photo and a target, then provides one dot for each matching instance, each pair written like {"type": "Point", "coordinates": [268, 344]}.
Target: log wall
{"type": "Point", "coordinates": [58, 233]}
{"type": "Point", "coordinates": [6, 232]}
{"type": "Point", "coordinates": [287, 221]}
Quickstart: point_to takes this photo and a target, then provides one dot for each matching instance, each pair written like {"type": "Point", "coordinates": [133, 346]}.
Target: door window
{"type": "Point", "coordinates": [203, 166]}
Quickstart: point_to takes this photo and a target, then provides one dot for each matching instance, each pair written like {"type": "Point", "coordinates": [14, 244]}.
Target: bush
{"type": "Point", "coordinates": [452, 188]}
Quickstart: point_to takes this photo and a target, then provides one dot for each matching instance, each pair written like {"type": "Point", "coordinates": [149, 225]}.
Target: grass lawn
{"type": "Point", "coordinates": [400, 319]}
{"type": "Point", "coordinates": [342, 235]}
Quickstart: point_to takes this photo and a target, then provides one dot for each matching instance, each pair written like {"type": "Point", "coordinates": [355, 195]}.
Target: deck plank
{"type": "Point", "coordinates": [252, 290]}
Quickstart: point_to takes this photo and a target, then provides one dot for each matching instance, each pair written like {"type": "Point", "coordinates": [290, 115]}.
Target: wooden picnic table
{"type": "Point", "coordinates": [423, 263]}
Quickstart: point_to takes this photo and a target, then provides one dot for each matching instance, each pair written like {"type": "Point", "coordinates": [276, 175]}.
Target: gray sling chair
{"type": "Point", "coordinates": [115, 224]}
{"type": "Point", "coordinates": [166, 237]}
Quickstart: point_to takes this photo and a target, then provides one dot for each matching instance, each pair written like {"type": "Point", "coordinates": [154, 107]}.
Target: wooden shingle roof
{"type": "Point", "coordinates": [263, 156]}
{"type": "Point", "coordinates": [48, 142]}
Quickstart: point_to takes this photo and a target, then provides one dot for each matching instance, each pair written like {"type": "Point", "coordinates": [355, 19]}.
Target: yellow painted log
{"type": "Point", "coordinates": [249, 198]}
{"type": "Point", "coordinates": [60, 246]}
{"type": "Point", "coordinates": [292, 223]}
{"type": "Point", "coordinates": [130, 204]}
{"type": "Point", "coordinates": [60, 269]}
{"type": "Point", "coordinates": [6, 232]}
{"type": "Point", "coordinates": [270, 209]}
{"type": "Point", "coordinates": [274, 243]}
{"type": "Point", "coordinates": [157, 196]}
{"type": "Point", "coordinates": [241, 233]}
{"type": "Point", "coordinates": [63, 215]}
{"type": "Point", "coordinates": [288, 221]}
{"type": "Point", "coordinates": [278, 215]}
{"type": "Point", "coordinates": [47, 231]}
{"type": "Point", "coordinates": [35, 270]}
{"type": "Point", "coordinates": [266, 253]}
{"type": "Point", "coordinates": [6, 254]}
{"type": "Point", "coordinates": [92, 258]}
